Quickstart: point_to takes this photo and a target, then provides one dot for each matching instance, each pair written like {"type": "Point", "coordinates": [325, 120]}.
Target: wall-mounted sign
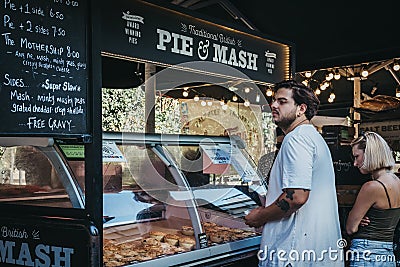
{"type": "Point", "coordinates": [155, 34]}
{"type": "Point", "coordinates": [43, 67]}
{"type": "Point", "coordinates": [389, 130]}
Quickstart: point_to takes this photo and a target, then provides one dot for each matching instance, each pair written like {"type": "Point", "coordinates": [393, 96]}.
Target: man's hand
{"type": "Point", "coordinates": [255, 217]}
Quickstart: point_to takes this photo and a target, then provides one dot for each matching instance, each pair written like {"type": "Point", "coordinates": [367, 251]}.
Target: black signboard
{"type": "Point", "coordinates": [150, 33]}
{"type": "Point", "coordinates": [36, 243]}
{"type": "Point", "coordinates": [345, 172]}
{"type": "Point", "coordinates": [43, 67]}
{"type": "Point", "coordinates": [203, 240]}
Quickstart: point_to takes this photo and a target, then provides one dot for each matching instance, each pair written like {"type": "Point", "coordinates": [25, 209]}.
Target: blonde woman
{"type": "Point", "coordinates": [376, 212]}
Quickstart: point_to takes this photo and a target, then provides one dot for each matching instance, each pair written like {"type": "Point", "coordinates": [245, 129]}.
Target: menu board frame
{"type": "Point", "coordinates": [44, 68]}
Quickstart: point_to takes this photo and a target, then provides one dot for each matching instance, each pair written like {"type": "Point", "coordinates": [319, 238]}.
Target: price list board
{"type": "Point", "coordinates": [43, 67]}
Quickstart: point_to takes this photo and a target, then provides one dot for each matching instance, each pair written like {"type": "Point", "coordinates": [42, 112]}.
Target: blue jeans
{"type": "Point", "coordinates": [366, 253]}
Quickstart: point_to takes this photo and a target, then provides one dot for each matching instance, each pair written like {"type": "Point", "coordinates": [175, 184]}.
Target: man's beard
{"type": "Point", "coordinates": [287, 121]}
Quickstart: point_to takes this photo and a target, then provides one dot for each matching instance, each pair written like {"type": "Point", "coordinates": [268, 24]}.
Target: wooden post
{"type": "Point", "coordinates": [150, 96]}
{"type": "Point", "coordinates": [356, 103]}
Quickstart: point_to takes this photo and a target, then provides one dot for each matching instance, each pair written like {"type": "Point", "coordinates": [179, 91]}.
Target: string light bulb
{"type": "Point", "coordinates": [336, 76]}
{"type": "Point", "coordinates": [332, 95]}
{"type": "Point", "coordinates": [196, 98]}
{"type": "Point", "coordinates": [203, 103]}
{"type": "Point", "coordinates": [317, 91]}
{"type": "Point", "coordinates": [364, 73]}
{"type": "Point", "coordinates": [330, 100]}
{"type": "Point", "coordinates": [247, 90]}
{"type": "Point", "coordinates": [234, 98]}
{"type": "Point", "coordinates": [396, 66]}
{"type": "Point", "coordinates": [324, 85]}
{"type": "Point", "coordinates": [269, 92]}
{"type": "Point", "coordinates": [308, 74]}
{"type": "Point", "coordinates": [246, 103]}
{"type": "Point", "coordinates": [398, 91]}
{"type": "Point", "coordinates": [185, 93]}
{"type": "Point", "coordinates": [329, 76]}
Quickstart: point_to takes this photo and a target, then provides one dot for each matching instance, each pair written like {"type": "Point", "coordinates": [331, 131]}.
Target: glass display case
{"type": "Point", "coordinates": [168, 200]}
{"type": "Point", "coordinates": [174, 200]}
{"type": "Point", "coordinates": [34, 172]}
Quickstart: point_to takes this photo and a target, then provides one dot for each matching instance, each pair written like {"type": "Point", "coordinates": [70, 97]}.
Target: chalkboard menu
{"type": "Point", "coordinates": [43, 67]}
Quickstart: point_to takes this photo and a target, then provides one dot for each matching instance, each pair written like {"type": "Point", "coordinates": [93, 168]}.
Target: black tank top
{"type": "Point", "coordinates": [382, 224]}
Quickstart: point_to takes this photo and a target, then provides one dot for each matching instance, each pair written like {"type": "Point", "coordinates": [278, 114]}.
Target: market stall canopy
{"type": "Point", "coordinates": [342, 34]}
{"type": "Point", "coordinates": [339, 33]}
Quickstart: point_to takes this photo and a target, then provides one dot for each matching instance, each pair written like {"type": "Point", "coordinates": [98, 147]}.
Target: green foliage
{"type": "Point", "coordinates": [167, 115]}
{"type": "Point", "coordinates": [124, 110]}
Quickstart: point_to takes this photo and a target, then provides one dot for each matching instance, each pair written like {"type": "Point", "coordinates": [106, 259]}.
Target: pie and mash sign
{"type": "Point", "coordinates": [155, 34]}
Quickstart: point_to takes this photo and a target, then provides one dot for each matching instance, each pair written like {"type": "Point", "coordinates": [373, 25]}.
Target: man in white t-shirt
{"type": "Point", "coordinates": [300, 217]}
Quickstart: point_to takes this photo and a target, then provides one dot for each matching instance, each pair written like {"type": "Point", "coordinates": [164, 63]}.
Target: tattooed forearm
{"type": "Point", "coordinates": [289, 193]}
{"type": "Point", "coordinates": [288, 201]}
{"type": "Point", "coordinates": [283, 204]}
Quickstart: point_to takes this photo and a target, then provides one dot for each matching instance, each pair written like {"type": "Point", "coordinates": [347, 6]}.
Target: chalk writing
{"type": "Point", "coordinates": [43, 68]}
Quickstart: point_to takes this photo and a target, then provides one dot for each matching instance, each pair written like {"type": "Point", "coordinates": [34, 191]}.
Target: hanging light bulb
{"type": "Point", "coordinates": [330, 100]}
{"type": "Point", "coordinates": [246, 103]}
{"type": "Point", "coordinates": [305, 82]}
{"type": "Point", "coordinates": [196, 98]}
{"type": "Point", "coordinates": [247, 90]}
{"type": "Point", "coordinates": [336, 75]}
{"type": "Point", "coordinates": [332, 95]}
{"type": "Point", "coordinates": [364, 72]}
{"type": "Point", "coordinates": [317, 91]}
{"type": "Point", "coordinates": [185, 93]}
{"type": "Point", "coordinates": [329, 76]}
{"type": "Point", "coordinates": [234, 98]}
{"type": "Point", "coordinates": [209, 103]}
{"type": "Point", "coordinates": [203, 103]}
{"type": "Point", "coordinates": [308, 74]}
{"type": "Point", "coordinates": [398, 91]}
{"type": "Point", "coordinates": [324, 85]}
{"type": "Point", "coordinates": [269, 92]}
{"type": "Point", "coordinates": [396, 66]}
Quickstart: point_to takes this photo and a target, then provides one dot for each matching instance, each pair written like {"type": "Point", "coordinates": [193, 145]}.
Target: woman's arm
{"type": "Point", "coordinates": [366, 198]}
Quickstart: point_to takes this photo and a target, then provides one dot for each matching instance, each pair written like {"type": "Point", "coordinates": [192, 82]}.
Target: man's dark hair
{"type": "Point", "coordinates": [301, 95]}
